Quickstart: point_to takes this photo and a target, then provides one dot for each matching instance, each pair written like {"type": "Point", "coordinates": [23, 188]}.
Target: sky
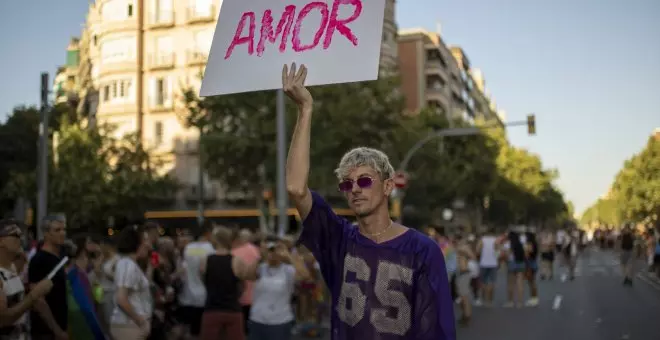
{"type": "Point", "coordinates": [588, 69]}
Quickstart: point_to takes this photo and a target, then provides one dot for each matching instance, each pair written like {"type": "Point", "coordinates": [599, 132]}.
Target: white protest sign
{"type": "Point", "coordinates": [338, 40]}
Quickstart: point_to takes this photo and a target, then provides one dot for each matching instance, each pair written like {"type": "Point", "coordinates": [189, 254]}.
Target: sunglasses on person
{"type": "Point", "coordinates": [362, 183]}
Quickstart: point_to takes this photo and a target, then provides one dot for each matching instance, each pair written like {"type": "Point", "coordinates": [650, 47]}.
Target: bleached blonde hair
{"type": "Point", "coordinates": [363, 156]}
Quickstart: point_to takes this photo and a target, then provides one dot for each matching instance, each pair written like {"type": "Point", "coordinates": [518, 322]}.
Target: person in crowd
{"type": "Point", "coordinates": [83, 319]}
{"type": "Point", "coordinates": [531, 265]}
{"type": "Point", "coordinates": [626, 245]}
{"type": "Point", "coordinates": [164, 281]}
{"type": "Point", "coordinates": [488, 249]}
{"type": "Point", "coordinates": [106, 278]}
{"type": "Point", "coordinates": [515, 254]}
{"type": "Point", "coordinates": [570, 252]}
{"type": "Point", "coordinates": [311, 304]}
{"type": "Point", "coordinates": [547, 248]}
{"type": "Point", "coordinates": [249, 254]}
{"type": "Point", "coordinates": [271, 316]}
{"type": "Point", "coordinates": [14, 303]}
{"type": "Point", "coordinates": [192, 295]}
{"type": "Point", "coordinates": [465, 254]}
{"type": "Point", "coordinates": [50, 320]}
{"type": "Point", "coordinates": [222, 274]}
{"type": "Point", "coordinates": [134, 303]}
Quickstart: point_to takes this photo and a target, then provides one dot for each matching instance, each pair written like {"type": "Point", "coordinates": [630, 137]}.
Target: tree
{"type": "Point", "coordinates": [239, 131]}
{"type": "Point", "coordinates": [636, 187]}
{"type": "Point", "coordinates": [18, 149]}
{"type": "Point", "coordinates": [444, 169]}
{"type": "Point", "coordinates": [238, 135]}
{"type": "Point", "coordinates": [604, 212]}
{"type": "Point", "coordinates": [94, 176]}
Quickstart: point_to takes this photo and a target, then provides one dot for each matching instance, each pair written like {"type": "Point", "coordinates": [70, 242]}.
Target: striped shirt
{"type": "Point", "coordinates": [13, 288]}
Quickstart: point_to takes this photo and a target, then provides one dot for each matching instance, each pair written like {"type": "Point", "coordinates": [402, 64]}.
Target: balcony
{"type": "Point", "coordinates": [161, 61]}
{"type": "Point", "coordinates": [115, 26]}
{"type": "Point", "coordinates": [201, 14]}
{"type": "Point", "coordinates": [196, 58]}
{"type": "Point", "coordinates": [161, 19]}
{"type": "Point", "coordinates": [434, 67]}
{"type": "Point", "coordinates": [126, 66]}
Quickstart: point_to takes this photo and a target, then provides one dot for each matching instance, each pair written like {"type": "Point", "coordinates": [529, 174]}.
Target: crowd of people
{"type": "Point", "coordinates": [473, 263]}
{"type": "Point", "coordinates": [140, 285]}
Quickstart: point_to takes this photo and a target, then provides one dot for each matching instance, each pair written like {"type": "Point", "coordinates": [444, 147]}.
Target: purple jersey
{"type": "Point", "coordinates": [393, 290]}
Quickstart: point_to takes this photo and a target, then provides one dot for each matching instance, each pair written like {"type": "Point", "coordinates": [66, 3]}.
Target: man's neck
{"type": "Point", "coordinates": [379, 227]}
{"type": "Point", "coordinates": [51, 248]}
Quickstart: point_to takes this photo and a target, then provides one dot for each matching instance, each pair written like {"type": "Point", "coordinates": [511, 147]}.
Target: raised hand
{"type": "Point", "coordinates": [293, 84]}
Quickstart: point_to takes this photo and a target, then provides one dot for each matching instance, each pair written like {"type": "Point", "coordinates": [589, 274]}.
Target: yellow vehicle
{"type": "Point", "coordinates": [244, 218]}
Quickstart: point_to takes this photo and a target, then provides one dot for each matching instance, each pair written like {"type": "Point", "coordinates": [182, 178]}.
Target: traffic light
{"type": "Point", "coordinates": [531, 125]}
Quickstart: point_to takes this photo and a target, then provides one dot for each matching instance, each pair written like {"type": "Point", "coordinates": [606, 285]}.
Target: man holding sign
{"type": "Point", "coordinates": [387, 281]}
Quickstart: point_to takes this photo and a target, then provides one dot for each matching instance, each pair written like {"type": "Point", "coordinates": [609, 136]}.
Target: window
{"type": "Point", "coordinates": [161, 92]}
{"type": "Point", "coordinates": [116, 10]}
{"type": "Point", "coordinates": [158, 133]}
{"type": "Point", "coordinates": [203, 41]}
{"type": "Point", "coordinates": [118, 50]}
{"type": "Point", "coordinates": [164, 45]}
{"type": "Point", "coordinates": [162, 11]}
{"type": "Point", "coordinates": [202, 8]}
{"type": "Point", "coordinates": [118, 91]}
{"type": "Point", "coordinates": [435, 83]}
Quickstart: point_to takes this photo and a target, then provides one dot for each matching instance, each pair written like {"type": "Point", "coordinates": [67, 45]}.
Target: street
{"type": "Point", "coordinates": [595, 306]}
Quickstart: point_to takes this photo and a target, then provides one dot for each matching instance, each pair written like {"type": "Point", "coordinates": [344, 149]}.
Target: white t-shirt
{"type": "Point", "coordinates": [561, 236]}
{"type": "Point", "coordinates": [14, 291]}
{"type": "Point", "coordinates": [488, 258]}
{"type": "Point", "coordinates": [271, 302]}
{"type": "Point", "coordinates": [193, 292]}
{"type": "Point", "coordinates": [129, 275]}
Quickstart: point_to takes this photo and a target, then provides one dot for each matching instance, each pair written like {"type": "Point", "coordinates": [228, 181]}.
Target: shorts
{"type": "Point", "coordinates": [463, 284]}
{"type": "Point", "coordinates": [626, 256]}
{"type": "Point", "coordinates": [548, 256]}
{"type": "Point", "coordinates": [488, 275]}
{"type": "Point", "coordinates": [532, 265]}
{"type": "Point", "coordinates": [516, 267]}
{"type": "Point", "coordinates": [192, 317]}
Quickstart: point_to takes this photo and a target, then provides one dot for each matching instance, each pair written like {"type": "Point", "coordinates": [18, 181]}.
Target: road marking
{"type": "Point", "coordinates": [556, 304]}
{"type": "Point", "coordinates": [648, 281]}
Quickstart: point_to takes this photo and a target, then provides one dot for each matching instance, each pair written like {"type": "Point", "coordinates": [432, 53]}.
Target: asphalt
{"type": "Point", "coordinates": [594, 306]}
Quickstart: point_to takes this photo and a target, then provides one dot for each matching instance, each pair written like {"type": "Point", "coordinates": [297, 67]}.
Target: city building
{"type": "Point", "coordinates": [439, 76]}
{"type": "Point", "coordinates": [133, 61]}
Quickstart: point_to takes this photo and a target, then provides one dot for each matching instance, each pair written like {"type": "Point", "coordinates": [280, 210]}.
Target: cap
{"type": "Point", "coordinates": [9, 227]}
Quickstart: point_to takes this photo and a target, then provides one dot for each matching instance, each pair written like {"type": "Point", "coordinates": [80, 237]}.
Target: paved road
{"type": "Point", "coordinates": [595, 306]}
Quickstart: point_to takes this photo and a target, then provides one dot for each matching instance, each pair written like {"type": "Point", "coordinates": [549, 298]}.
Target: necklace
{"type": "Point", "coordinates": [380, 232]}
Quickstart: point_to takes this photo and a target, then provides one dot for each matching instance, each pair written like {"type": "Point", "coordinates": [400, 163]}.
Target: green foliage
{"type": "Point", "coordinates": [239, 139]}
{"type": "Point", "coordinates": [92, 175]}
{"type": "Point", "coordinates": [635, 195]}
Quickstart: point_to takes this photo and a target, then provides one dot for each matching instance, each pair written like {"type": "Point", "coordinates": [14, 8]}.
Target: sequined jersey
{"type": "Point", "coordinates": [380, 291]}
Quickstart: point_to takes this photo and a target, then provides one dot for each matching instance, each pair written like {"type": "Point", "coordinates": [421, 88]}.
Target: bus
{"type": "Point", "coordinates": [173, 222]}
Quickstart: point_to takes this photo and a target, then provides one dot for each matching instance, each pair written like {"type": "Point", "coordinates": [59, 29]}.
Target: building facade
{"type": "Point", "coordinates": [439, 76]}
{"type": "Point", "coordinates": [134, 60]}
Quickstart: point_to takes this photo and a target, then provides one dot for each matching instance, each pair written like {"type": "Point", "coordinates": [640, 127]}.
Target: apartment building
{"type": "Point", "coordinates": [132, 62]}
{"type": "Point", "coordinates": [439, 76]}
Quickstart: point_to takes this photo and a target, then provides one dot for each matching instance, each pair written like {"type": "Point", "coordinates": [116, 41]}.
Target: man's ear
{"type": "Point", "coordinates": [388, 186]}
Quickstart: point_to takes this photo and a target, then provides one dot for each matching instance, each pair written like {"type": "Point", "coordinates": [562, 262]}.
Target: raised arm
{"type": "Point", "coordinates": [297, 165]}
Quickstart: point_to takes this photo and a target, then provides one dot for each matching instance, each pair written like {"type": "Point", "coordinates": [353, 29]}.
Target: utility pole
{"type": "Point", "coordinates": [282, 196]}
{"type": "Point", "coordinates": [200, 181]}
{"type": "Point", "coordinates": [42, 161]}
